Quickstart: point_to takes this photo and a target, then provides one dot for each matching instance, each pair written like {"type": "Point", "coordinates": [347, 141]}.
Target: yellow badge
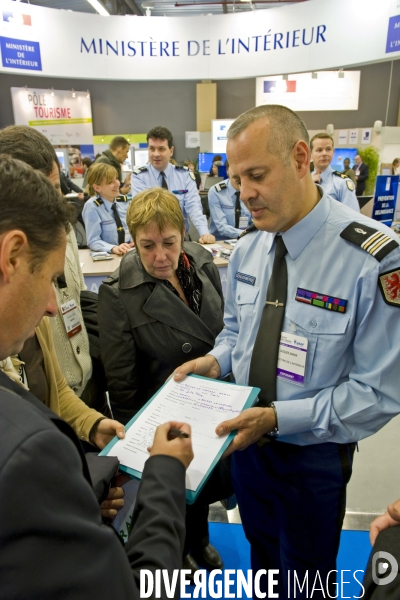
{"type": "Point", "coordinates": [350, 184]}
{"type": "Point", "coordinates": [390, 287]}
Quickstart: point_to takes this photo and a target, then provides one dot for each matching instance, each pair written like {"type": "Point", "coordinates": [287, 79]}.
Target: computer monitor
{"type": "Point", "coordinates": [339, 156]}
{"type": "Point", "coordinates": [205, 160]}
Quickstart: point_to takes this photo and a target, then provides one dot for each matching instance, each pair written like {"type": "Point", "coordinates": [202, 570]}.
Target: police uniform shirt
{"type": "Point", "coordinates": [351, 386]}
{"type": "Point", "coordinates": [343, 190]}
{"type": "Point", "coordinates": [222, 203]}
{"type": "Point", "coordinates": [100, 225]}
{"type": "Point", "coordinates": [181, 184]}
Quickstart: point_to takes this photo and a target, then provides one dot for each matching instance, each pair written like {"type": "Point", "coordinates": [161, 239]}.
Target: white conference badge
{"type": "Point", "coordinates": [292, 358]}
{"type": "Point", "coordinates": [71, 318]}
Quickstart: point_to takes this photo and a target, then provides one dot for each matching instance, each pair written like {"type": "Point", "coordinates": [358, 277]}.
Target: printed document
{"type": "Point", "coordinates": [200, 402]}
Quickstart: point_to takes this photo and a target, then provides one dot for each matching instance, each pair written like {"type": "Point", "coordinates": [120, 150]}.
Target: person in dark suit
{"type": "Point", "coordinates": [53, 543]}
{"type": "Point", "coordinates": [361, 171]}
{"type": "Point", "coordinates": [162, 305]}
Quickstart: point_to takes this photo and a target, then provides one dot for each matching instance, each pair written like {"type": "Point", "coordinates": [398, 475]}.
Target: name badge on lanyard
{"type": "Point", "coordinates": [292, 358]}
{"type": "Point", "coordinates": [72, 321]}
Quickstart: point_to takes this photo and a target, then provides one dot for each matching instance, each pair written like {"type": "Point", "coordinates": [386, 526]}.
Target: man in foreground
{"type": "Point", "coordinates": [311, 317]}
{"type": "Point", "coordinates": [53, 543]}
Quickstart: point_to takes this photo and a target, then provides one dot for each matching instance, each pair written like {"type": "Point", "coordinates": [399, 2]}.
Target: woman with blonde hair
{"type": "Point", "coordinates": [162, 307]}
{"type": "Point", "coordinates": [104, 214]}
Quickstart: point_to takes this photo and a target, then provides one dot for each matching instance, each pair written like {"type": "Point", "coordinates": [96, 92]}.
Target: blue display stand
{"type": "Point", "coordinates": [385, 198]}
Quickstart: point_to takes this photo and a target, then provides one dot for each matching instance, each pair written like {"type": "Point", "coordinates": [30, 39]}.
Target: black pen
{"type": "Point", "coordinates": [175, 433]}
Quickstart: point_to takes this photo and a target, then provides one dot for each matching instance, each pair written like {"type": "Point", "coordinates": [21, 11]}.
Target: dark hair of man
{"type": "Point", "coordinates": [86, 161]}
{"type": "Point", "coordinates": [285, 128]}
{"type": "Point", "coordinates": [30, 203]}
{"type": "Point", "coordinates": [118, 142]}
{"type": "Point", "coordinates": [321, 136]}
{"type": "Point", "coordinates": [161, 133]}
{"type": "Point", "coordinates": [30, 146]}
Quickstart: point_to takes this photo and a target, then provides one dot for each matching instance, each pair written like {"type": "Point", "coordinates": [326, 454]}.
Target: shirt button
{"type": "Point", "coordinates": [78, 350]}
{"type": "Point", "coordinates": [313, 323]}
{"type": "Point", "coordinates": [186, 347]}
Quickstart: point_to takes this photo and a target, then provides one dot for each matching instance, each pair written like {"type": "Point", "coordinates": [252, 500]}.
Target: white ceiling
{"type": "Point", "coordinates": [165, 7]}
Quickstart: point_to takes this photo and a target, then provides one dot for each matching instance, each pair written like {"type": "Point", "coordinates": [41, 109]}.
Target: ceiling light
{"type": "Point", "coordinates": [99, 7]}
{"type": "Point", "coordinates": [314, 75]}
{"type": "Point", "coordinates": [52, 92]}
{"type": "Point", "coordinates": [341, 74]}
{"type": "Point", "coordinates": [73, 93]}
{"type": "Point", "coordinates": [87, 94]}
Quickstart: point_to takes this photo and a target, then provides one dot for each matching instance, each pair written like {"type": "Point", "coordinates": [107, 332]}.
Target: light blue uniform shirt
{"type": "Point", "coordinates": [100, 225]}
{"type": "Point", "coordinates": [352, 381]}
{"type": "Point", "coordinates": [222, 209]}
{"type": "Point", "coordinates": [335, 186]}
{"type": "Point", "coordinates": [181, 184]}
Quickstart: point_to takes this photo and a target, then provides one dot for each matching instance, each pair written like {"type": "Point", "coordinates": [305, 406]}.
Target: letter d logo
{"type": "Point", "coordinates": [380, 568]}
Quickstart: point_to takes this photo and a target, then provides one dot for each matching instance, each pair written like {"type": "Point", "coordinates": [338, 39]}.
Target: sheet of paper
{"type": "Point", "coordinates": [203, 404]}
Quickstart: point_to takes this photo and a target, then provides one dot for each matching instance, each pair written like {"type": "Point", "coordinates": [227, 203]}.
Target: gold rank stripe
{"type": "Point", "coordinates": [381, 244]}
{"type": "Point", "coordinates": [375, 242]}
{"type": "Point", "coordinates": [372, 238]}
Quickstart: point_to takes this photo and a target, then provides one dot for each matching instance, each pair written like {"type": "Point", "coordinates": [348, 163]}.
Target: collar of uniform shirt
{"type": "Point", "coordinates": [297, 237]}
{"type": "Point", "coordinates": [157, 174]}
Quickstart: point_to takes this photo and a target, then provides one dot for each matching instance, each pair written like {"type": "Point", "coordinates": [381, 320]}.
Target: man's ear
{"type": "Point", "coordinates": [13, 248]}
{"type": "Point", "coordinates": [301, 154]}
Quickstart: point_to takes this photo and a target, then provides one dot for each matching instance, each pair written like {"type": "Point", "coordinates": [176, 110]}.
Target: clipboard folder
{"type": "Point", "coordinates": [191, 495]}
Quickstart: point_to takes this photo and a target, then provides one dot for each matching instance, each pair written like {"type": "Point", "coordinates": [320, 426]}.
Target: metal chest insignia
{"type": "Point", "coordinates": [389, 284]}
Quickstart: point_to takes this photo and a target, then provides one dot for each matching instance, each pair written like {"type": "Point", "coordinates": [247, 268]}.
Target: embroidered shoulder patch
{"type": "Point", "coordinates": [373, 241]}
{"type": "Point", "coordinates": [350, 185]}
{"type": "Point", "coordinates": [249, 229]}
{"type": "Point", "coordinates": [389, 284]}
{"type": "Point", "coordinates": [221, 186]}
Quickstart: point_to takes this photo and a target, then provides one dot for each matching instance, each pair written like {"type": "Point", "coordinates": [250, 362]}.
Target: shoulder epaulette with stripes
{"type": "Point", "coordinates": [137, 170]}
{"type": "Point", "coordinates": [373, 241]}
{"type": "Point", "coordinates": [98, 201]}
{"type": "Point", "coordinates": [220, 186]}
{"type": "Point", "coordinates": [181, 167]}
{"type": "Point", "coordinates": [122, 198]}
{"type": "Point", "coordinates": [249, 229]}
{"type": "Point", "coordinates": [339, 174]}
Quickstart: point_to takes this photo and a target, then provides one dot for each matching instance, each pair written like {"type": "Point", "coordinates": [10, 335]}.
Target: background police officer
{"type": "Point", "coordinates": [336, 184]}
{"type": "Point", "coordinates": [178, 180]}
{"type": "Point", "coordinates": [229, 215]}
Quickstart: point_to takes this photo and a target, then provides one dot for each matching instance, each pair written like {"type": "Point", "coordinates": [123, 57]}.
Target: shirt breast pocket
{"type": "Point", "coordinates": [326, 334]}
{"type": "Point", "coordinates": [227, 209]}
{"type": "Point", "coordinates": [246, 296]}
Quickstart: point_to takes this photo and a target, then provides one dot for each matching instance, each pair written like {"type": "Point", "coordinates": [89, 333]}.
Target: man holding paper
{"type": "Point", "coordinates": [311, 318]}
{"type": "Point", "coordinates": [53, 543]}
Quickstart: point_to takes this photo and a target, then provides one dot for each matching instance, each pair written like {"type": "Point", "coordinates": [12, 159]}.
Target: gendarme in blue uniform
{"type": "Point", "coordinates": [340, 187]}
{"type": "Point", "coordinates": [291, 492]}
{"type": "Point", "coordinates": [182, 183]}
{"type": "Point", "coordinates": [222, 203]}
{"type": "Point", "coordinates": [352, 364]}
{"type": "Point", "coordinates": [100, 225]}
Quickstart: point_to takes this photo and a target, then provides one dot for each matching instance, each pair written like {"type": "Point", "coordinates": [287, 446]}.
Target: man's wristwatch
{"type": "Point", "coordinates": [275, 432]}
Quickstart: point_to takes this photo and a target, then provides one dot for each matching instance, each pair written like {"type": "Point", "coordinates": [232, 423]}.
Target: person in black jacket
{"type": "Point", "coordinates": [361, 171]}
{"type": "Point", "coordinates": [53, 543]}
{"type": "Point", "coordinates": [162, 306]}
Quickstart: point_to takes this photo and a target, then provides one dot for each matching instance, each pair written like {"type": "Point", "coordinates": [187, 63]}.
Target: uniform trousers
{"type": "Point", "coordinates": [292, 503]}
